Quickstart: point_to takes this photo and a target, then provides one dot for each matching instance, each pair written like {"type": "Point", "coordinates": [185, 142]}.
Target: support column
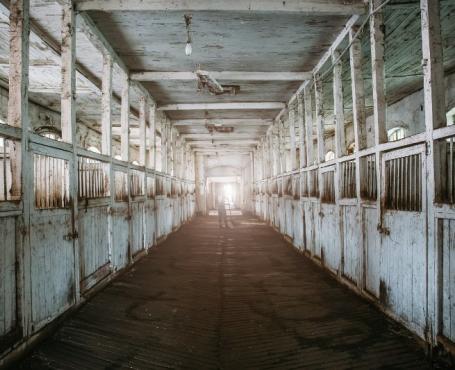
{"type": "Point", "coordinates": [106, 106]}
{"type": "Point", "coordinates": [340, 141]}
{"type": "Point", "coordinates": [358, 91]}
{"type": "Point", "coordinates": [318, 95]}
{"type": "Point", "coordinates": [152, 138]}
{"type": "Point", "coordinates": [68, 122]}
{"type": "Point", "coordinates": [292, 137]}
{"type": "Point", "coordinates": [21, 160]}
{"type": "Point", "coordinates": [434, 103]}
{"type": "Point", "coordinates": [378, 72]}
{"type": "Point", "coordinates": [302, 133]}
{"type": "Point", "coordinates": [309, 126]}
{"type": "Point", "coordinates": [142, 131]}
{"type": "Point", "coordinates": [125, 119]}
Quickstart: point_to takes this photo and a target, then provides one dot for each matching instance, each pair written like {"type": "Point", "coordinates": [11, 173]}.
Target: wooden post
{"type": "Point", "coordinates": [340, 142]}
{"type": "Point", "coordinates": [106, 106]}
{"type": "Point", "coordinates": [68, 121]}
{"type": "Point", "coordinates": [378, 73]}
{"type": "Point", "coordinates": [125, 119]}
{"type": "Point", "coordinates": [434, 103]}
{"type": "Point", "coordinates": [292, 137]}
{"type": "Point", "coordinates": [318, 95]}
{"type": "Point", "coordinates": [142, 131]}
{"type": "Point", "coordinates": [152, 138]}
{"type": "Point", "coordinates": [308, 126]}
{"type": "Point", "coordinates": [21, 160]}
{"type": "Point", "coordinates": [358, 91]}
{"type": "Point", "coordinates": [302, 132]}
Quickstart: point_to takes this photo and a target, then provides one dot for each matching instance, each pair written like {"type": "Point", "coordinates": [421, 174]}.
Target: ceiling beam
{"type": "Point", "coordinates": [323, 7]}
{"type": "Point", "coordinates": [149, 76]}
{"type": "Point", "coordinates": [223, 106]}
{"type": "Point", "coordinates": [223, 121]}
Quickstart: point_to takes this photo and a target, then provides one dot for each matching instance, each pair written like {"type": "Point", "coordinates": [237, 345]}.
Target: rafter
{"type": "Point", "coordinates": [222, 106]}
{"type": "Point", "coordinates": [324, 7]}
{"type": "Point", "coordinates": [150, 76]}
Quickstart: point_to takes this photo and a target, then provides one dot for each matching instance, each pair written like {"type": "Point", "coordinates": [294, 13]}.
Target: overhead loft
{"type": "Point", "coordinates": [207, 127]}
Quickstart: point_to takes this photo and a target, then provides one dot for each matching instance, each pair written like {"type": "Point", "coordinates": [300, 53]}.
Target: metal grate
{"type": "Point", "coordinates": [450, 171]}
{"type": "Point", "coordinates": [150, 187]}
{"type": "Point", "coordinates": [5, 169]}
{"type": "Point", "coordinates": [121, 186]}
{"type": "Point", "coordinates": [328, 187]}
{"type": "Point", "coordinates": [313, 183]}
{"type": "Point", "coordinates": [368, 179]}
{"type": "Point", "coordinates": [93, 178]}
{"type": "Point", "coordinates": [348, 181]}
{"type": "Point", "coordinates": [51, 182]}
{"type": "Point", "coordinates": [403, 188]}
{"type": "Point", "coordinates": [136, 183]}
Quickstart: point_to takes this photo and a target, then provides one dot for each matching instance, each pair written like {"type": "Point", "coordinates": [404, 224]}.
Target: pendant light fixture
{"type": "Point", "coordinates": [188, 46]}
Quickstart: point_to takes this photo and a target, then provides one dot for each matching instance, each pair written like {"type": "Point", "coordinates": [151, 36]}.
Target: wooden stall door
{"type": "Point", "coordinates": [403, 282]}
{"type": "Point", "coordinates": [52, 236]}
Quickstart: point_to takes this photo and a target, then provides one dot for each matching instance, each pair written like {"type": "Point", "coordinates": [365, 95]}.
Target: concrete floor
{"type": "Point", "coordinates": [236, 298]}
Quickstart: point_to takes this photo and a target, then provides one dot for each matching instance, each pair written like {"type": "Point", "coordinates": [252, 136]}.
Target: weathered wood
{"type": "Point", "coordinates": [292, 136]}
{"type": "Point", "coordinates": [152, 137]}
{"type": "Point", "coordinates": [318, 96]}
{"type": "Point", "coordinates": [106, 106]}
{"type": "Point", "coordinates": [125, 119]}
{"type": "Point", "coordinates": [340, 142]}
{"type": "Point", "coordinates": [435, 110]}
{"type": "Point", "coordinates": [222, 106]}
{"type": "Point", "coordinates": [69, 127]}
{"type": "Point", "coordinates": [378, 72]}
{"type": "Point", "coordinates": [302, 131]}
{"type": "Point", "coordinates": [308, 126]}
{"type": "Point", "coordinates": [142, 131]}
{"type": "Point", "coordinates": [332, 7]}
{"type": "Point", "coordinates": [18, 87]}
{"type": "Point", "coordinates": [224, 75]}
{"type": "Point", "coordinates": [358, 91]}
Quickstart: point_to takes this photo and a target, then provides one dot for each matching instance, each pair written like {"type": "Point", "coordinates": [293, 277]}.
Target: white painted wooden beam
{"type": "Point", "coordinates": [323, 7]}
{"type": "Point", "coordinates": [292, 136]}
{"type": "Point", "coordinates": [358, 91]}
{"type": "Point", "coordinates": [223, 106]}
{"type": "Point", "coordinates": [340, 141]}
{"type": "Point", "coordinates": [318, 95]}
{"type": "Point", "coordinates": [18, 87]}
{"type": "Point", "coordinates": [142, 130]}
{"type": "Point", "coordinates": [378, 72]}
{"type": "Point", "coordinates": [125, 119]}
{"type": "Point", "coordinates": [68, 107]}
{"type": "Point", "coordinates": [68, 122]}
{"type": "Point", "coordinates": [106, 106]}
{"type": "Point", "coordinates": [152, 137]}
{"type": "Point", "coordinates": [302, 132]}
{"type": "Point", "coordinates": [224, 122]}
{"type": "Point", "coordinates": [224, 75]}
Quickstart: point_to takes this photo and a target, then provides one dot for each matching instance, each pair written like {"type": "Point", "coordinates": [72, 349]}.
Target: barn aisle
{"type": "Point", "coordinates": [239, 298]}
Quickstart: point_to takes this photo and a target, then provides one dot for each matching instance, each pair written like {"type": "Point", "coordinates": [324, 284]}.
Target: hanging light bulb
{"type": "Point", "coordinates": [188, 46]}
{"type": "Point", "coordinates": [188, 49]}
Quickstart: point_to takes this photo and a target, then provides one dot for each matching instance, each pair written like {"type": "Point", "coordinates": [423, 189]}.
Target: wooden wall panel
{"type": "Point", "coordinates": [7, 275]}
{"type": "Point", "coordinates": [448, 279]}
{"type": "Point", "coordinates": [372, 245]}
{"type": "Point", "coordinates": [330, 237]}
{"type": "Point", "coordinates": [52, 265]}
{"type": "Point", "coordinates": [93, 240]}
{"type": "Point", "coordinates": [137, 227]}
{"type": "Point", "coordinates": [352, 242]}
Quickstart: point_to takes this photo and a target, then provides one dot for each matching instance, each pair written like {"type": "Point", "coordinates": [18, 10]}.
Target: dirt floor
{"type": "Point", "coordinates": [240, 298]}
